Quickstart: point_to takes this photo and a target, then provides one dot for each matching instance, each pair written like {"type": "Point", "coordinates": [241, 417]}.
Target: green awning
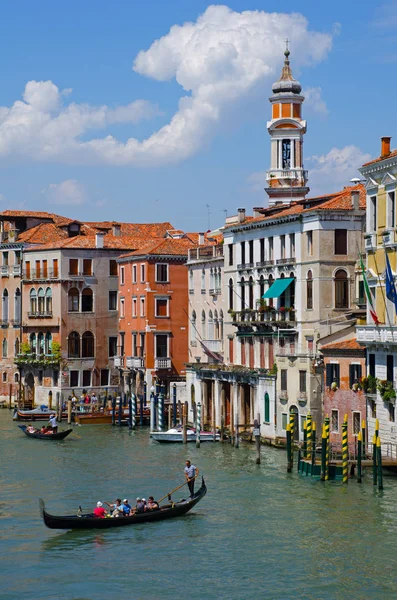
{"type": "Point", "coordinates": [278, 287]}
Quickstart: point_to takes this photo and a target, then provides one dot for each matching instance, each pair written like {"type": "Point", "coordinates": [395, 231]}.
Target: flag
{"type": "Point", "coordinates": [368, 294]}
{"type": "Point", "coordinates": [214, 355]}
{"type": "Point", "coordinates": [391, 293]}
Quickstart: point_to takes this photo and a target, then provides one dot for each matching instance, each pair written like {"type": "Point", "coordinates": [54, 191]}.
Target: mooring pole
{"type": "Point", "coordinates": [114, 411]}
{"type": "Point", "coordinates": [314, 442]}
{"type": "Point", "coordinates": [160, 418]}
{"type": "Point", "coordinates": [257, 434]}
{"type": "Point", "coordinates": [374, 461]}
{"type": "Point", "coordinates": [304, 439]}
{"type": "Point", "coordinates": [69, 412]}
{"type": "Point", "coordinates": [141, 411]}
{"type": "Point", "coordinates": [326, 428]}
{"type": "Point", "coordinates": [289, 449]}
{"type": "Point", "coordinates": [198, 425]}
{"type": "Point", "coordinates": [184, 422]}
{"type": "Point", "coordinates": [152, 412]}
{"type": "Point", "coordinates": [323, 453]}
{"type": "Point", "coordinates": [359, 457]}
{"type": "Point", "coordinates": [345, 453]}
{"type": "Point", "coordinates": [120, 411]}
{"type": "Point", "coordinates": [380, 474]}
{"type": "Point", "coordinates": [133, 411]}
{"type": "Point", "coordinates": [174, 404]}
{"type": "Point", "coordinates": [292, 425]}
{"type": "Point", "coordinates": [364, 439]}
{"type": "Point", "coordinates": [309, 436]}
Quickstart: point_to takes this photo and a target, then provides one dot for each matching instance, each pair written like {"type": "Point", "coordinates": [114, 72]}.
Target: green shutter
{"type": "Point", "coordinates": [267, 408]}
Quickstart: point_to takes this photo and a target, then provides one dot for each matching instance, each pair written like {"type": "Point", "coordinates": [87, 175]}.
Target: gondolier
{"type": "Point", "coordinates": [191, 473]}
{"type": "Point", "coordinates": [53, 423]}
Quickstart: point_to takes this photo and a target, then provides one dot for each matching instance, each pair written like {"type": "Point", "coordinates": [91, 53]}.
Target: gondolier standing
{"type": "Point", "coordinates": [53, 423]}
{"type": "Point", "coordinates": [191, 473]}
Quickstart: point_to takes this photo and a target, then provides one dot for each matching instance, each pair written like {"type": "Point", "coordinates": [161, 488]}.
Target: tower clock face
{"type": "Point", "coordinates": [286, 154]}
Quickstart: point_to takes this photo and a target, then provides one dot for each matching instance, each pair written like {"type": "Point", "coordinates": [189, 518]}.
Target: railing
{"type": "Point", "coordinates": [380, 334]}
{"type": "Point", "coordinates": [16, 270]}
{"type": "Point", "coordinates": [286, 261]}
{"type": "Point", "coordinates": [246, 265]}
{"type": "Point", "coordinates": [266, 315]}
{"type": "Point", "coordinates": [15, 322]}
{"type": "Point", "coordinates": [296, 174]}
{"type": "Point", "coordinates": [370, 241]}
{"type": "Point", "coordinates": [135, 362]}
{"type": "Point", "coordinates": [282, 395]}
{"type": "Point", "coordinates": [37, 359]}
{"type": "Point", "coordinates": [162, 363]}
{"type": "Point", "coordinates": [205, 252]}
{"type": "Point", "coordinates": [81, 274]}
{"type": "Point", "coordinates": [294, 350]}
{"type": "Point", "coordinates": [389, 237]}
{"type": "Point", "coordinates": [50, 274]}
{"type": "Point", "coordinates": [191, 291]}
{"type": "Point", "coordinates": [265, 263]}
{"type": "Point", "coordinates": [4, 323]}
{"type": "Point", "coordinates": [118, 361]}
{"type": "Point", "coordinates": [42, 314]}
{"type": "Point", "coordinates": [214, 345]}
{"type": "Point", "coordinates": [4, 270]}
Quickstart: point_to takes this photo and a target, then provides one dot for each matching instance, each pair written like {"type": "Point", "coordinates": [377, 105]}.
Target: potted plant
{"type": "Point", "coordinates": [334, 386]}
{"type": "Point", "coordinates": [356, 387]}
{"type": "Point", "coordinates": [369, 384]}
{"type": "Point", "coordinates": [387, 390]}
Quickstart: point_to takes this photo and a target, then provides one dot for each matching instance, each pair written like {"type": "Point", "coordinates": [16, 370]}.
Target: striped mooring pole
{"type": "Point", "coordinates": [379, 453]}
{"type": "Point", "coordinates": [152, 415]}
{"type": "Point", "coordinates": [359, 457]}
{"type": "Point", "coordinates": [309, 436]}
{"type": "Point", "coordinates": [129, 420]}
{"type": "Point", "coordinates": [345, 454]}
{"type": "Point", "coordinates": [326, 427]}
{"type": "Point", "coordinates": [198, 425]}
{"type": "Point", "coordinates": [314, 442]}
{"type": "Point", "coordinates": [374, 461]}
{"type": "Point", "coordinates": [304, 439]}
{"type": "Point", "coordinates": [363, 438]}
{"type": "Point", "coordinates": [133, 411]}
{"type": "Point", "coordinates": [160, 419]}
{"type": "Point", "coordinates": [292, 426]}
{"type": "Point", "coordinates": [289, 449]}
{"type": "Point", "coordinates": [323, 453]}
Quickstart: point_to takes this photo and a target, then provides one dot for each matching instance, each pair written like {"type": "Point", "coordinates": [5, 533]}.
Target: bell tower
{"type": "Point", "coordinates": [286, 179]}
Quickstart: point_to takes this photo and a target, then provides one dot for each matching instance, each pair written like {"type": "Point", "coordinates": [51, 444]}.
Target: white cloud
{"type": "Point", "coordinates": [69, 192]}
{"type": "Point", "coordinates": [219, 60]}
{"type": "Point", "coordinates": [332, 171]}
{"type": "Point", "coordinates": [314, 100]}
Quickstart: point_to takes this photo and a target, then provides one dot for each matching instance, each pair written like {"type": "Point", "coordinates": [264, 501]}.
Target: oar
{"type": "Point", "coordinates": [176, 489]}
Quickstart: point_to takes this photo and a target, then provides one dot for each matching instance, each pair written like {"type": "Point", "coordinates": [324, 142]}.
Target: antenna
{"type": "Point", "coordinates": [209, 216]}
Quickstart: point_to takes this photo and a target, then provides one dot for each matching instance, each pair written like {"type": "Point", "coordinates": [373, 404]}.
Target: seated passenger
{"type": "Point", "coordinates": [126, 508]}
{"type": "Point", "coordinates": [140, 506]}
{"type": "Point", "coordinates": [43, 429]}
{"type": "Point", "coordinates": [152, 504]}
{"type": "Point", "coordinates": [31, 429]}
{"type": "Point", "coordinates": [99, 511]}
{"type": "Point", "coordinates": [116, 508]}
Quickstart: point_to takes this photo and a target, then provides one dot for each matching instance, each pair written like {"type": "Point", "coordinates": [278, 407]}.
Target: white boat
{"type": "Point", "coordinates": [37, 414]}
{"type": "Point", "coordinates": [176, 435]}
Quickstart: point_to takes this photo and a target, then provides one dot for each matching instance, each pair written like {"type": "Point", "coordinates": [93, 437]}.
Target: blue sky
{"type": "Point", "coordinates": [188, 122]}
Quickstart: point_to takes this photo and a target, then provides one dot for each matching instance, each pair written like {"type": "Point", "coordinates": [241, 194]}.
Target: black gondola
{"type": "Point", "coordinates": [43, 436]}
{"type": "Point", "coordinates": [88, 521]}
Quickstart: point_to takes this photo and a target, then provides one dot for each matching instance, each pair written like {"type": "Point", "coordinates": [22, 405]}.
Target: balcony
{"type": "Point", "coordinates": [40, 314]}
{"type": "Point", "coordinates": [283, 396]}
{"type": "Point", "coordinates": [4, 270]}
{"type": "Point", "coordinates": [286, 261]}
{"type": "Point", "coordinates": [191, 291]}
{"type": "Point", "coordinates": [265, 263]}
{"type": "Point", "coordinates": [40, 360]}
{"type": "Point", "coordinates": [205, 252]}
{"type": "Point", "coordinates": [214, 345]}
{"type": "Point", "coordinates": [15, 322]}
{"type": "Point", "coordinates": [135, 362]}
{"type": "Point", "coordinates": [17, 270]}
{"type": "Point", "coordinates": [370, 241]}
{"type": "Point", "coordinates": [162, 363]}
{"type": "Point", "coordinates": [49, 274]}
{"type": "Point", "coordinates": [81, 274]}
{"type": "Point", "coordinates": [248, 265]}
{"type": "Point", "coordinates": [269, 315]}
{"type": "Point", "coordinates": [118, 361]}
{"type": "Point", "coordinates": [4, 323]}
{"type": "Point", "coordinates": [295, 174]}
{"type": "Point", "coordinates": [380, 335]}
{"type": "Point", "coordinates": [293, 350]}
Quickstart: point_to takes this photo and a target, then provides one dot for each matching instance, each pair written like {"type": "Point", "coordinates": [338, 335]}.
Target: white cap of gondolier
{"type": "Point", "coordinates": [99, 504]}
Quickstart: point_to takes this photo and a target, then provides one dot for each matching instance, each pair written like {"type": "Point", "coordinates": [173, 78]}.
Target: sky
{"type": "Point", "coordinates": [157, 111]}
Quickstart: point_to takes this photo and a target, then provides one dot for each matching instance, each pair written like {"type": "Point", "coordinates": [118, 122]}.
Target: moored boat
{"type": "Point", "coordinates": [37, 414]}
{"type": "Point", "coordinates": [176, 435]}
{"type": "Point", "coordinates": [88, 521]}
{"type": "Point", "coordinates": [60, 435]}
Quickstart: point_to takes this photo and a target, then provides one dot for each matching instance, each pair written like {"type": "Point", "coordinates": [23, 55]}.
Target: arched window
{"type": "Point", "coordinates": [219, 286]}
{"type": "Point", "coordinates": [73, 300]}
{"type": "Point", "coordinates": [271, 281]}
{"type": "Point", "coordinates": [74, 345]}
{"type": "Point", "coordinates": [40, 296]}
{"type": "Point", "coordinates": [242, 293]}
{"type": "Point", "coordinates": [48, 301]}
{"type": "Point", "coordinates": [216, 325]}
{"type": "Point", "coordinates": [17, 305]}
{"type": "Point", "coordinates": [48, 343]}
{"type": "Point", "coordinates": [87, 345]}
{"type": "Point", "coordinates": [261, 287]}
{"type": "Point", "coordinates": [221, 324]}
{"type": "Point", "coordinates": [87, 300]}
{"type": "Point", "coordinates": [292, 290]}
{"type": "Point", "coordinates": [40, 343]}
{"type": "Point", "coordinates": [267, 408]}
{"type": "Point", "coordinates": [212, 279]}
{"type": "Point", "coordinates": [33, 301]}
{"type": "Point", "coordinates": [341, 289]}
{"type": "Point", "coordinates": [309, 290]}
{"type": "Point", "coordinates": [203, 325]}
{"type": "Point", "coordinates": [203, 279]}
{"type": "Point", "coordinates": [16, 377]}
{"type": "Point", "coordinates": [5, 306]}
{"type": "Point", "coordinates": [5, 348]}
{"type": "Point", "coordinates": [32, 342]}
{"type": "Point", "coordinates": [16, 347]}
{"type": "Point", "coordinates": [231, 293]}
{"type": "Point", "coordinates": [251, 293]}
{"type": "Point", "coordinates": [210, 326]}
{"type": "Point", "coordinates": [193, 327]}
{"type": "Point", "coordinates": [286, 154]}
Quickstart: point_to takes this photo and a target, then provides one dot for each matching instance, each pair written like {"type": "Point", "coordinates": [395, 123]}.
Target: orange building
{"type": "Point", "coordinates": [153, 314]}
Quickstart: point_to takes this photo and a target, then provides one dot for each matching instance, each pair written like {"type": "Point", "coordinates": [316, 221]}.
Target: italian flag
{"type": "Point", "coordinates": [368, 294]}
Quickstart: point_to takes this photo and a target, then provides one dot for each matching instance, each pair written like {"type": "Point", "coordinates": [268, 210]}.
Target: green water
{"type": "Point", "coordinates": [259, 533]}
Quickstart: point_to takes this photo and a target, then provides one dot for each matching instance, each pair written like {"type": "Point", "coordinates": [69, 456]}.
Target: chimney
{"type": "Point", "coordinates": [99, 239]}
{"type": "Point", "coordinates": [201, 239]}
{"type": "Point", "coordinates": [116, 229]}
{"type": "Point", "coordinates": [385, 146]}
{"type": "Point", "coordinates": [241, 214]}
{"type": "Point", "coordinates": [355, 200]}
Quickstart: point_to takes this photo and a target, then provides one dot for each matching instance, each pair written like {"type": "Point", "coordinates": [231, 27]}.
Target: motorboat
{"type": "Point", "coordinates": [175, 434]}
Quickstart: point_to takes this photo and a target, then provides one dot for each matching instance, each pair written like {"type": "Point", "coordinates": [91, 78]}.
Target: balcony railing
{"type": "Point", "coordinates": [389, 237]}
{"type": "Point", "coordinates": [135, 362]}
{"type": "Point", "coordinates": [247, 265]}
{"type": "Point", "coordinates": [286, 261]}
{"type": "Point", "coordinates": [4, 270]}
{"type": "Point", "coordinates": [81, 274]}
{"type": "Point", "coordinates": [380, 334]}
{"type": "Point", "coordinates": [40, 314]}
{"type": "Point", "coordinates": [264, 316]}
{"type": "Point", "coordinates": [39, 360]}
{"type": "Point", "coordinates": [295, 174]}
{"type": "Point", "coordinates": [15, 322]}
{"type": "Point", "coordinates": [162, 363]}
{"type": "Point", "coordinates": [191, 291]}
{"type": "Point", "coordinates": [205, 252]}
{"type": "Point", "coordinates": [50, 274]}
{"type": "Point", "coordinates": [16, 270]}
{"type": "Point", "coordinates": [118, 361]}
{"type": "Point", "coordinates": [370, 241]}
{"type": "Point", "coordinates": [214, 345]}
{"type": "Point", "coordinates": [294, 350]}
{"type": "Point", "coordinates": [4, 323]}
{"type": "Point", "coordinates": [265, 263]}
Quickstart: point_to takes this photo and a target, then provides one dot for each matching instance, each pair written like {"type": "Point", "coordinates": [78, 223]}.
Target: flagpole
{"type": "Point", "coordinates": [381, 288]}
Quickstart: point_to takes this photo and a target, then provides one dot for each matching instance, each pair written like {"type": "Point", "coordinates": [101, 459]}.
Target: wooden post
{"type": "Point", "coordinates": [184, 422]}
{"type": "Point", "coordinates": [326, 428]}
{"type": "Point", "coordinates": [69, 412]}
{"type": "Point", "coordinates": [10, 397]}
{"type": "Point", "coordinates": [304, 439]}
{"type": "Point", "coordinates": [169, 415]}
{"type": "Point", "coordinates": [345, 455]}
{"type": "Point", "coordinates": [314, 442]}
{"type": "Point", "coordinates": [50, 399]}
{"type": "Point", "coordinates": [364, 438]}
{"type": "Point", "coordinates": [379, 453]}
{"type": "Point", "coordinates": [114, 411]}
{"type": "Point", "coordinates": [257, 434]}
{"type": "Point", "coordinates": [141, 410]}
{"type": "Point", "coordinates": [237, 438]}
{"type": "Point", "coordinates": [174, 405]}
{"type": "Point", "coordinates": [160, 411]}
{"type": "Point", "coordinates": [180, 412]}
{"type": "Point", "coordinates": [152, 412]}
{"type": "Point", "coordinates": [213, 411]}
{"type": "Point", "coordinates": [323, 453]}
{"type": "Point", "coordinates": [309, 436]}
{"type": "Point", "coordinates": [120, 411]}
{"type": "Point", "coordinates": [374, 461]}
{"type": "Point", "coordinates": [222, 428]}
{"type": "Point", "coordinates": [359, 457]}
{"type": "Point", "coordinates": [231, 439]}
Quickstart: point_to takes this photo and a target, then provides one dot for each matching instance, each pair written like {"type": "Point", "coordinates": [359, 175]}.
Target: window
{"type": "Point", "coordinates": [48, 301]}
{"type": "Point", "coordinates": [40, 377]}
{"type": "Point", "coordinates": [392, 412]}
{"type": "Point", "coordinates": [73, 266]}
{"type": "Point", "coordinates": [33, 301]}
{"type": "Point", "coordinates": [40, 343]}
{"type": "Point", "coordinates": [334, 421]}
{"type": "Point", "coordinates": [267, 408]}
{"type": "Point", "coordinates": [332, 375]}
{"type": "Point", "coordinates": [87, 267]}
{"type": "Point", "coordinates": [16, 347]}
{"type": "Point", "coordinates": [104, 377]}
{"type": "Point", "coordinates": [133, 273]}
{"type": "Point", "coordinates": [203, 280]}
{"type": "Point", "coordinates": [391, 209]}
{"type": "Point", "coordinates": [231, 293]}
{"type": "Point", "coordinates": [309, 290]}
{"type": "Point", "coordinates": [5, 259]}
{"type": "Point", "coordinates": [282, 246]}
{"type": "Point", "coordinates": [45, 269]}
{"type": "Point", "coordinates": [142, 306]}
{"type": "Point", "coordinates": [113, 300]}
{"type": "Point", "coordinates": [5, 306]}
{"type": "Point", "coordinates": [73, 300]}
{"type": "Point", "coordinates": [161, 273]}
{"type": "Point", "coordinates": [356, 423]}
{"type": "Point", "coordinates": [161, 307]}
{"type": "Point", "coordinates": [40, 298]}
{"type": "Point", "coordinates": [17, 257]}
{"type": "Point", "coordinates": [372, 214]}
{"type": "Point", "coordinates": [242, 250]}
{"type": "Point", "coordinates": [122, 308]}
{"type": "Point", "coordinates": [113, 268]}
{"type": "Point", "coordinates": [341, 289]}
{"type": "Point", "coordinates": [309, 236]}
{"type": "Point", "coordinates": [390, 367]}
{"type": "Point", "coordinates": [134, 344]}
{"type": "Point", "coordinates": [251, 251]}
{"type": "Point", "coordinates": [55, 267]}
{"type": "Point", "coordinates": [283, 376]}
{"type": "Point", "coordinates": [87, 304]}
{"type": "Point", "coordinates": [122, 346]}
{"type": "Point", "coordinates": [112, 346]}
{"type": "Point", "coordinates": [193, 328]}
{"type": "Point", "coordinates": [122, 275]}
{"type": "Point", "coordinates": [262, 249]}
{"type": "Point", "coordinates": [284, 420]}
{"type": "Point", "coordinates": [134, 307]}
{"type": "Point", "coordinates": [354, 374]}
{"type": "Point", "coordinates": [74, 345]}
{"type": "Point", "coordinates": [286, 153]}
{"type": "Point", "coordinates": [230, 255]}
{"type": "Point", "coordinates": [161, 346]}
{"type": "Point", "coordinates": [74, 379]}
{"type": "Point", "coordinates": [27, 266]}
{"type": "Point", "coordinates": [231, 350]}
{"type": "Point", "coordinates": [270, 248]}
{"type": "Point", "coordinates": [16, 377]}
{"type": "Point", "coordinates": [32, 341]}
{"type": "Point", "coordinates": [142, 340]}
{"type": "Point", "coordinates": [340, 241]}
{"type": "Point", "coordinates": [302, 381]}
{"type": "Point", "coordinates": [87, 378]}
{"type": "Point", "coordinates": [210, 326]}
{"type": "Point", "coordinates": [371, 365]}
{"type": "Point", "coordinates": [292, 245]}
{"type": "Point", "coordinates": [48, 343]}
{"type": "Point", "coordinates": [4, 348]}
{"type": "Point", "coordinates": [142, 273]}
{"type": "Point", "coordinates": [87, 345]}
{"type": "Point", "coordinates": [38, 270]}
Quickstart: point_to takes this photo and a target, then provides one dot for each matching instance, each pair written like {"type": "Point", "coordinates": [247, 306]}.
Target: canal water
{"type": "Point", "coordinates": [259, 533]}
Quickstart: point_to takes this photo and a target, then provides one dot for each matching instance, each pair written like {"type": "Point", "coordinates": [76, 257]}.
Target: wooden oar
{"type": "Point", "coordinates": [176, 489]}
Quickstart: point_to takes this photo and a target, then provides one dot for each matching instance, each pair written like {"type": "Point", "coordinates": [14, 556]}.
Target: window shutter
{"type": "Point", "coordinates": [267, 408]}
{"type": "Point", "coordinates": [328, 375]}
{"type": "Point", "coordinates": [337, 375]}
{"type": "Point", "coordinates": [351, 375]}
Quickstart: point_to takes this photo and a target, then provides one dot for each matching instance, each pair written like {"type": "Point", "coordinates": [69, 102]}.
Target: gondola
{"type": "Point", "coordinates": [44, 436]}
{"type": "Point", "coordinates": [88, 521]}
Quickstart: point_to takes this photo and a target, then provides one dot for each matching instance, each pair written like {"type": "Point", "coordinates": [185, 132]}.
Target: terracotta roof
{"type": "Point", "coordinates": [345, 345]}
{"type": "Point", "coordinates": [26, 213]}
{"type": "Point", "coordinates": [111, 242]}
{"type": "Point", "coordinates": [380, 158]}
{"type": "Point", "coordinates": [163, 247]}
{"type": "Point", "coordinates": [41, 233]}
{"type": "Point", "coordinates": [134, 229]}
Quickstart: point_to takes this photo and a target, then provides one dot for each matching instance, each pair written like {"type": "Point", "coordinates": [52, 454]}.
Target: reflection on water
{"type": "Point", "coordinates": [259, 533]}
